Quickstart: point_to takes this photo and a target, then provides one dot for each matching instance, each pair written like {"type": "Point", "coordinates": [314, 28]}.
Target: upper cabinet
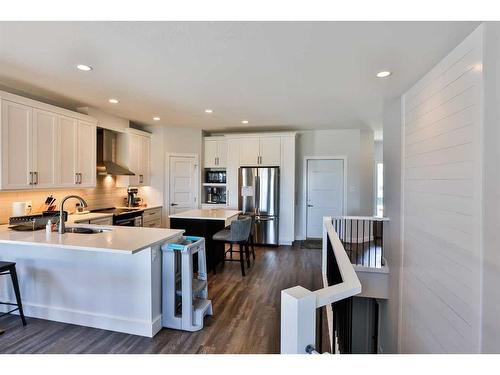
{"type": "Point", "coordinates": [215, 152]}
{"type": "Point", "coordinates": [134, 152]}
{"type": "Point", "coordinates": [260, 151]}
{"type": "Point", "coordinates": [44, 147]}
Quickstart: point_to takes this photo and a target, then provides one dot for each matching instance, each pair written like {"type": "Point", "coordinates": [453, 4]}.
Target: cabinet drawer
{"type": "Point", "coordinates": [152, 214]}
{"type": "Point", "coordinates": [152, 224]}
{"type": "Point", "coordinates": [104, 221]}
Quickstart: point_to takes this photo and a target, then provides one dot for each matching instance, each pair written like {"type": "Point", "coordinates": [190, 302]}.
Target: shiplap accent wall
{"type": "Point", "coordinates": [441, 184]}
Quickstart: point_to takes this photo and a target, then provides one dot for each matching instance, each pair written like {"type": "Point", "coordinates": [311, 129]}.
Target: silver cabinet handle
{"type": "Point", "coordinates": [310, 205]}
{"type": "Point", "coordinates": [31, 178]}
{"type": "Point", "coordinates": [81, 178]}
{"type": "Point", "coordinates": [76, 178]}
{"type": "Point", "coordinates": [141, 178]}
{"type": "Point", "coordinates": [35, 174]}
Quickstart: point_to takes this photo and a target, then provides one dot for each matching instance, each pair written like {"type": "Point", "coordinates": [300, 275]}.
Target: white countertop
{"type": "Point", "coordinates": [206, 214]}
{"type": "Point", "coordinates": [122, 240]}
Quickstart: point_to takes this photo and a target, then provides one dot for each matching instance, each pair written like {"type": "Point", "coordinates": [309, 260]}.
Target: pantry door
{"type": "Point", "coordinates": [183, 176]}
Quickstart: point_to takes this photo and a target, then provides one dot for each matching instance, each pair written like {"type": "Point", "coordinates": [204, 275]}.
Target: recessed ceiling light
{"type": "Point", "coordinates": [156, 118]}
{"type": "Point", "coordinates": [85, 68]}
{"type": "Point", "coordinates": [244, 122]}
{"type": "Point", "coordinates": [113, 101]}
{"type": "Point", "coordinates": [383, 74]}
{"type": "Point", "coordinates": [209, 110]}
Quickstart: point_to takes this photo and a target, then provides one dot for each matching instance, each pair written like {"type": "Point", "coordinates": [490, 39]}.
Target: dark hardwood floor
{"type": "Point", "coordinates": [246, 314]}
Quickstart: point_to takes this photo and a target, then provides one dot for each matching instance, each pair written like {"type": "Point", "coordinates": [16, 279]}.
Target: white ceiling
{"type": "Point", "coordinates": [294, 75]}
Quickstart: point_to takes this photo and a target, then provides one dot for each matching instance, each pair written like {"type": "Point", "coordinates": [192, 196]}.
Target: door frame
{"type": "Point", "coordinates": [167, 178]}
{"type": "Point", "coordinates": [304, 186]}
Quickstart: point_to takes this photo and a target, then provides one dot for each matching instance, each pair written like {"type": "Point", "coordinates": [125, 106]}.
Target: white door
{"type": "Point", "coordinates": [44, 148]}
{"type": "Point", "coordinates": [183, 183]}
{"type": "Point", "coordinates": [325, 193]}
{"type": "Point", "coordinates": [87, 135]}
{"type": "Point", "coordinates": [67, 152]}
{"type": "Point", "coordinates": [249, 151]}
{"type": "Point", "coordinates": [17, 151]}
{"type": "Point", "coordinates": [270, 151]}
{"type": "Point", "coordinates": [210, 155]}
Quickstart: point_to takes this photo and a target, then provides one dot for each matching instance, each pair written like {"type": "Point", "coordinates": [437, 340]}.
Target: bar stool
{"type": "Point", "coordinates": [237, 234]}
{"type": "Point", "coordinates": [9, 268]}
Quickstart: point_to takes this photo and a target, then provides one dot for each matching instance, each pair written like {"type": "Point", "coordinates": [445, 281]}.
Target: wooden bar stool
{"type": "Point", "coordinates": [9, 268]}
{"type": "Point", "coordinates": [237, 234]}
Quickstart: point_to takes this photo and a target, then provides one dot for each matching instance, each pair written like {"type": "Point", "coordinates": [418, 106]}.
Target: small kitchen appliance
{"type": "Point", "coordinates": [132, 199]}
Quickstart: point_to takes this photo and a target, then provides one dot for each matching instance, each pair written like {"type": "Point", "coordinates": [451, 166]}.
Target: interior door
{"type": "Point", "coordinates": [87, 135]}
{"type": "Point", "coordinates": [183, 183]}
{"type": "Point", "coordinates": [16, 138]}
{"type": "Point", "coordinates": [325, 193]}
{"type": "Point", "coordinates": [67, 151]}
{"type": "Point", "coordinates": [44, 149]}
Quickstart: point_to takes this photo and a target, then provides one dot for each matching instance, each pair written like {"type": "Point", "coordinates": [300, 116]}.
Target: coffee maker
{"type": "Point", "coordinates": [132, 199]}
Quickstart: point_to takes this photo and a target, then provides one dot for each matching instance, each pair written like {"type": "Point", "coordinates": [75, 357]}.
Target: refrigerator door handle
{"type": "Point", "coordinates": [257, 194]}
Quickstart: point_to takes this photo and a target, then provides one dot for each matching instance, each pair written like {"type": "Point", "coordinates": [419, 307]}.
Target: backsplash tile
{"type": "Point", "coordinates": [105, 194]}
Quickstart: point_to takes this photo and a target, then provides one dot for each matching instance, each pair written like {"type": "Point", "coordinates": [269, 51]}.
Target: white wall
{"type": "Point", "coordinates": [442, 205]}
{"type": "Point", "coordinates": [357, 145]}
{"type": "Point", "coordinates": [390, 309]}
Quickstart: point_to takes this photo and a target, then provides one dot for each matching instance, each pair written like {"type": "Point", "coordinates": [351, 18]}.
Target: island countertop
{"type": "Point", "coordinates": [115, 239]}
{"type": "Point", "coordinates": [206, 214]}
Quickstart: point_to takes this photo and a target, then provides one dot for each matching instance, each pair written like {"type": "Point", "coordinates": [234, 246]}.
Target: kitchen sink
{"type": "Point", "coordinates": [82, 230]}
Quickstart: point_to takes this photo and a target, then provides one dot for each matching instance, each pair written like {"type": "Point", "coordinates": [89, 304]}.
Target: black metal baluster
{"type": "Point", "coordinates": [369, 241]}
{"type": "Point", "coordinates": [381, 242]}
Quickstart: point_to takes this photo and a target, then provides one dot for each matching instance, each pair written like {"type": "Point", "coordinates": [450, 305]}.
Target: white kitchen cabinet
{"type": "Point", "coordinates": [44, 147]}
{"type": "Point", "coordinates": [270, 151]}
{"type": "Point", "coordinates": [215, 155]}
{"type": "Point", "coordinates": [249, 151]}
{"type": "Point", "coordinates": [67, 155]}
{"type": "Point", "coordinates": [260, 151]}
{"type": "Point", "coordinates": [86, 154]}
{"type": "Point", "coordinates": [134, 152]}
{"type": "Point", "coordinates": [16, 142]}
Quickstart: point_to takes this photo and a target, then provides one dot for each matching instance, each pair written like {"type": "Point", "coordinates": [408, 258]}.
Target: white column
{"type": "Point", "coordinates": [298, 320]}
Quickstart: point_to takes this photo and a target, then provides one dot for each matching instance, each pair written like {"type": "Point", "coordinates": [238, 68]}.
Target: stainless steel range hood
{"type": "Point", "coordinates": [106, 148]}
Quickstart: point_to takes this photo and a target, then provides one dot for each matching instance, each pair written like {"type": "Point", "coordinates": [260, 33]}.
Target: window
{"type": "Point", "coordinates": [379, 201]}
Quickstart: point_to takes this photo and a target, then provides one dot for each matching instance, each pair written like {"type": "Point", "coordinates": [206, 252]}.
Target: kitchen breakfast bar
{"type": "Point", "coordinates": [109, 280]}
{"type": "Point", "coordinates": [205, 223]}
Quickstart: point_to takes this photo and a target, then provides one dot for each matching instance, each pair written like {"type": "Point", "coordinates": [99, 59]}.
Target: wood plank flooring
{"type": "Point", "coordinates": [246, 314]}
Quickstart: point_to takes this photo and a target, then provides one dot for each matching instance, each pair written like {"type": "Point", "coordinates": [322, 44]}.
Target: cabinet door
{"type": "Point", "coordinates": [270, 151]}
{"type": "Point", "coordinates": [86, 153]}
{"type": "Point", "coordinates": [222, 154]}
{"type": "Point", "coordinates": [144, 160]}
{"type": "Point", "coordinates": [16, 136]}
{"type": "Point", "coordinates": [44, 149]}
{"type": "Point", "coordinates": [210, 160]}
{"type": "Point", "coordinates": [134, 146]}
{"type": "Point", "coordinates": [66, 154]}
{"type": "Point", "coordinates": [249, 151]}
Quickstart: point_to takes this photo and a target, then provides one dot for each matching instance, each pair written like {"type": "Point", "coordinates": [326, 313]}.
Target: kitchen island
{"type": "Point", "coordinates": [205, 223]}
{"type": "Point", "coordinates": [109, 280]}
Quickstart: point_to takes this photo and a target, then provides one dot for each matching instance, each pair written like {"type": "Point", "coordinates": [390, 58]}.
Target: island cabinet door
{"type": "Point", "coordinates": [17, 152]}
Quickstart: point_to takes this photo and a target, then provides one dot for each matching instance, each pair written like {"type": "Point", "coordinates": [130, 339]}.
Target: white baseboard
{"type": "Point", "coordinates": [88, 319]}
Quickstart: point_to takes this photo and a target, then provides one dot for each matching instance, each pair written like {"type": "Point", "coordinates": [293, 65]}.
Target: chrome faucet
{"type": "Point", "coordinates": [61, 211]}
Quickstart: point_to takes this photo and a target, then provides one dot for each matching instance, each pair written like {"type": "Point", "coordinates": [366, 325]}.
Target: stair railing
{"type": "Point", "coordinates": [299, 305]}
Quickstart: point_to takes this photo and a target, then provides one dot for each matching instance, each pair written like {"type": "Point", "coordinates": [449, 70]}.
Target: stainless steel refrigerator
{"type": "Point", "coordinates": [259, 196]}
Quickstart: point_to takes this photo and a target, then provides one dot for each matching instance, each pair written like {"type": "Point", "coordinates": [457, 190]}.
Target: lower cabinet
{"type": "Point", "coordinates": [103, 221]}
{"type": "Point", "coordinates": [152, 218]}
